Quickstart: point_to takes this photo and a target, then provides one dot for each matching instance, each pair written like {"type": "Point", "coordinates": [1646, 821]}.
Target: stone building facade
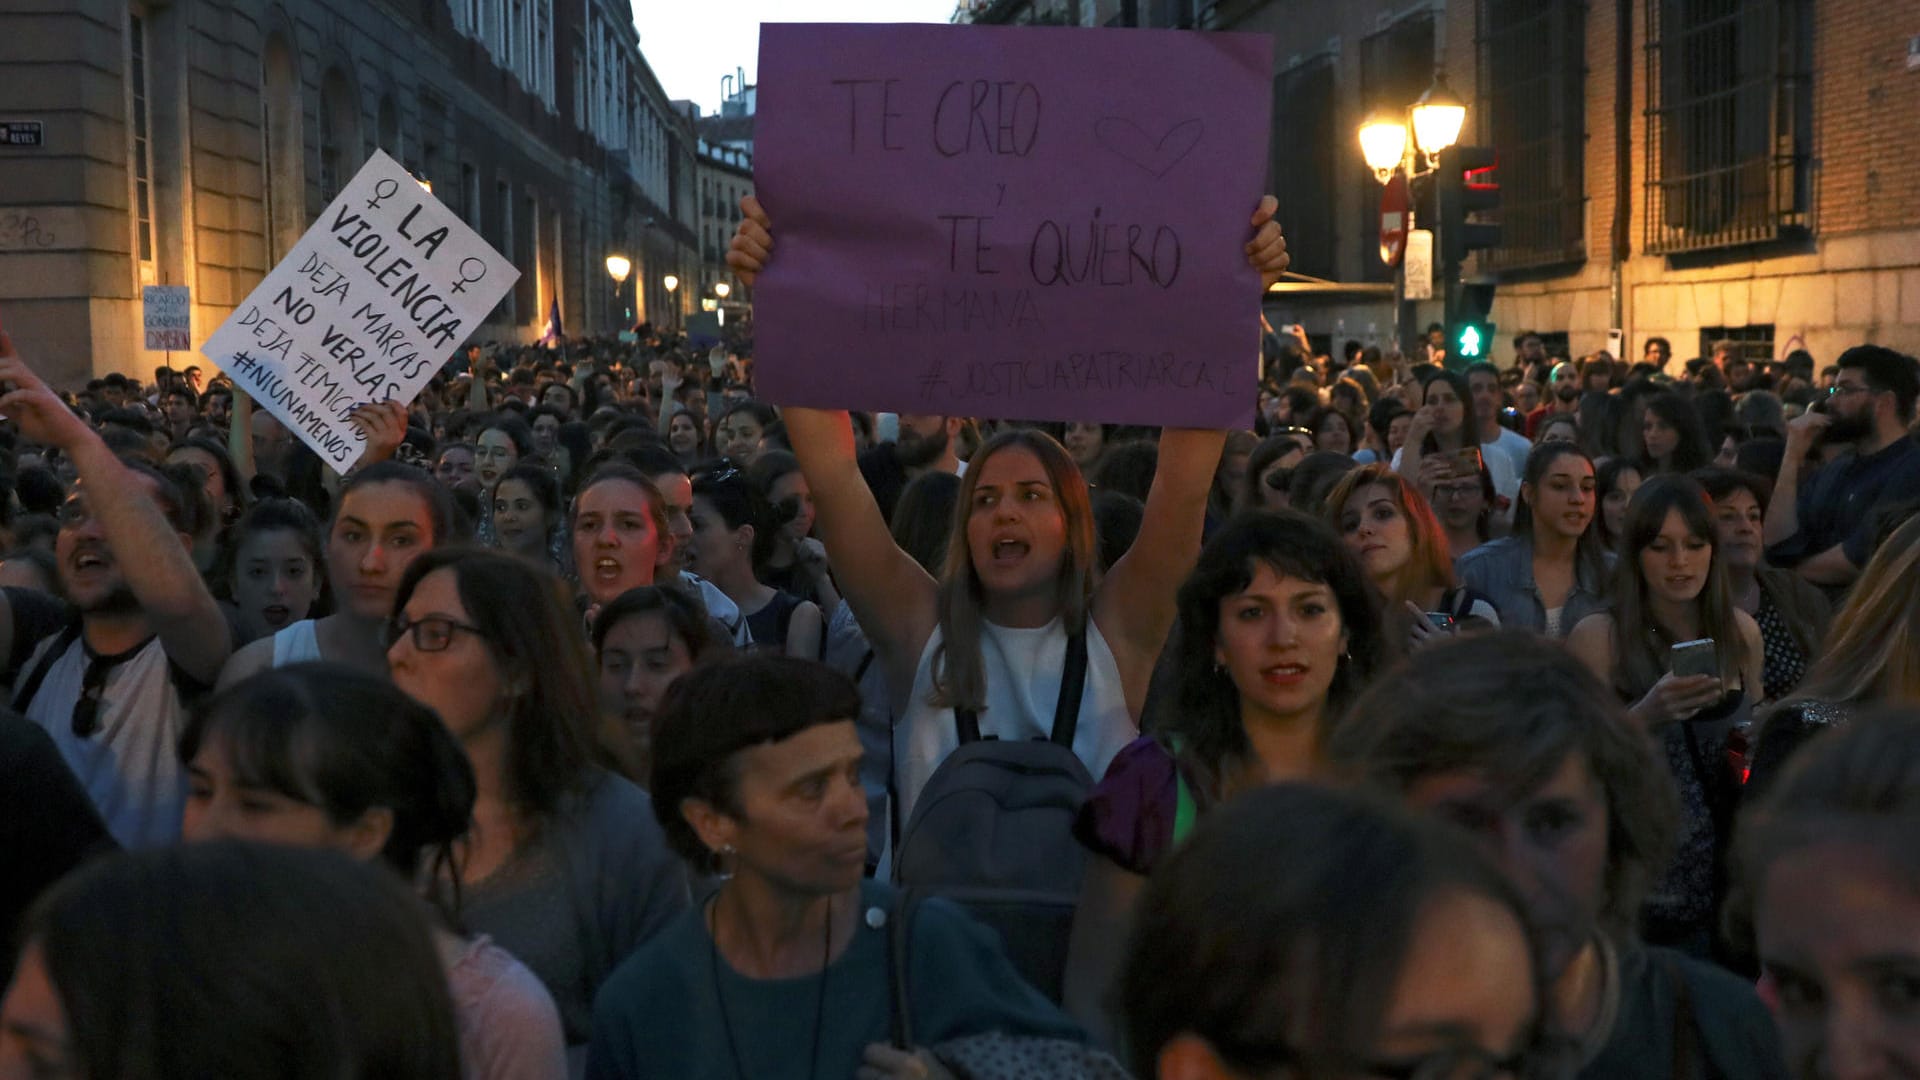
{"type": "Point", "coordinates": [1692, 169]}
{"type": "Point", "coordinates": [191, 142]}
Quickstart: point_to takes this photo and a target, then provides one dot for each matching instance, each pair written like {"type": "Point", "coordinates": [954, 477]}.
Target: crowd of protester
{"type": "Point", "coordinates": [1546, 720]}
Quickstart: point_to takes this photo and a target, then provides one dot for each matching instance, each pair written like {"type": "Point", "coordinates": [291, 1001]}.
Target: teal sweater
{"type": "Point", "coordinates": [659, 1015]}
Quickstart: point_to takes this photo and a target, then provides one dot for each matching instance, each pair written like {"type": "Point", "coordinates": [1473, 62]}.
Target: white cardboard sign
{"type": "Point", "coordinates": [367, 306]}
{"type": "Point", "coordinates": [165, 311]}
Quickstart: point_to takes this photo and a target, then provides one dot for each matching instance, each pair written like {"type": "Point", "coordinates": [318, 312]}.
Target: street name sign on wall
{"type": "Point", "coordinates": [168, 319]}
{"type": "Point", "coordinates": [1419, 264]}
{"type": "Point", "coordinates": [1037, 222]}
{"type": "Point", "coordinates": [368, 305]}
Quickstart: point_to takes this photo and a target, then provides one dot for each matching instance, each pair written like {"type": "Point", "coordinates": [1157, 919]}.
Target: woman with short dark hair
{"type": "Point", "coordinates": [323, 756]}
{"type": "Point", "coordinates": [785, 970]}
{"type": "Point", "coordinates": [1826, 869]}
{"type": "Point", "coordinates": [229, 960]}
{"type": "Point", "coordinates": [1312, 933]}
{"type": "Point", "coordinates": [1514, 741]}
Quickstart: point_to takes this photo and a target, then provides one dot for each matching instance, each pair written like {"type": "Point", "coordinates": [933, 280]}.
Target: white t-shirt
{"type": "Point", "coordinates": [1516, 448]}
{"type": "Point", "coordinates": [1023, 668]}
{"type": "Point", "coordinates": [128, 765]}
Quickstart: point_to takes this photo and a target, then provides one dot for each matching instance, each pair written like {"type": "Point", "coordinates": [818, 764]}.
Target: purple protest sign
{"type": "Point", "coordinates": [1031, 222]}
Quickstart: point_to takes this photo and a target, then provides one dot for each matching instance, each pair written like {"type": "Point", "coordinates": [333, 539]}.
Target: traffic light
{"type": "Point", "coordinates": [1467, 188]}
{"type": "Point", "coordinates": [1469, 333]}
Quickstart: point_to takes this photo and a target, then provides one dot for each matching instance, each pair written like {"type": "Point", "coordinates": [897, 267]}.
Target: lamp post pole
{"type": "Point", "coordinates": [1435, 122]}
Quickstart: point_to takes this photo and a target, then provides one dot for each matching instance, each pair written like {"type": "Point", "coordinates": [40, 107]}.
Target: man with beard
{"type": "Point", "coordinates": [1824, 529]}
{"type": "Point", "coordinates": [1563, 396]}
{"type": "Point", "coordinates": [925, 442]}
{"type": "Point", "coordinates": [112, 687]}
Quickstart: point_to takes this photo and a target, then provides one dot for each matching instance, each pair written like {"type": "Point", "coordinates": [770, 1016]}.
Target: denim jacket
{"type": "Point", "coordinates": [1503, 570]}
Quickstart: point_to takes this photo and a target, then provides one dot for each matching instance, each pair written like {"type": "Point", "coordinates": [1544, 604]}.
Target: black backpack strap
{"type": "Point", "coordinates": [899, 950]}
{"type": "Point", "coordinates": [1066, 710]}
{"type": "Point", "coordinates": [38, 675]}
{"type": "Point", "coordinates": [1073, 686]}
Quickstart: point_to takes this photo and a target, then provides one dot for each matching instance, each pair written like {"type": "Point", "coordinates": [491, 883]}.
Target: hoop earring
{"type": "Point", "coordinates": [725, 858]}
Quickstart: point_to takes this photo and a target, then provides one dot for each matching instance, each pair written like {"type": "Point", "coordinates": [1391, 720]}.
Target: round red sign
{"type": "Point", "coordinates": [1395, 205]}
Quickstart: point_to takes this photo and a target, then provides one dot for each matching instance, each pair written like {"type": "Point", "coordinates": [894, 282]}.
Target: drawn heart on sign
{"type": "Point", "coordinates": [1127, 140]}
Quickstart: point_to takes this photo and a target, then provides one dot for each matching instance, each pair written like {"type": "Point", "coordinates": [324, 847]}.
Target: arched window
{"type": "Point", "coordinates": [340, 155]}
{"type": "Point", "coordinates": [280, 158]}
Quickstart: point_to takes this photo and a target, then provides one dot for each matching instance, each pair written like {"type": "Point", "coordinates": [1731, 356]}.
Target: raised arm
{"type": "Point", "coordinates": [1783, 510]}
{"type": "Point", "coordinates": [156, 560]}
{"type": "Point", "coordinates": [240, 436]}
{"type": "Point", "coordinates": [895, 601]}
{"type": "Point", "coordinates": [1134, 607]}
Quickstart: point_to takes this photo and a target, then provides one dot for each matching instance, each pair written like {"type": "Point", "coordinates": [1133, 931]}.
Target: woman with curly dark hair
{"type": "Point", "coordinates": [1278, 629]}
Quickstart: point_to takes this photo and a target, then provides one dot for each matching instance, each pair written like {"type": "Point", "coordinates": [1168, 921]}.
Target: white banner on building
{"type": "Point", "coordinates": [1419, 264]}
{"type": "Point", "coordinates": [373, 299]}
{"type": "Point", "coordinates": [165, 311]}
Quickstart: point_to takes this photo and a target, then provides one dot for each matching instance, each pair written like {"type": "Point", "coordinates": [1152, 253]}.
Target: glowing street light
{"type": "Point", "coordinates": [722, 290]}
{"type": "Point", "coordinates": [618, 267]}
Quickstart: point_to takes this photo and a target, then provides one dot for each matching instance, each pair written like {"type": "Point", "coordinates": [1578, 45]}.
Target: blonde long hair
{"type": "Point", "coordinates": [959, 677]}
{"type": "Point", "coordinates": [1873, 648]}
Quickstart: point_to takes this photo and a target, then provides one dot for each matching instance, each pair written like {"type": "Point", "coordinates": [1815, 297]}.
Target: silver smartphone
{"type": "Point", "coordinates": [1699, 657]}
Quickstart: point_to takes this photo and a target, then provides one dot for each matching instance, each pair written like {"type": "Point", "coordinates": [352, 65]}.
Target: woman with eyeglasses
{"type": "Point", "coordinates": [323, 756]}
{"type": "Point", "coordinates": [1464, 505]}
{"type": "Point", "coordinates": [1319, 934]}
{"type": "Point", "coordinates": [1021, 590]}
{"type": "Point", "coordinates": [387, 515]}
{"type": "Point", "coordinates": [564, 867]}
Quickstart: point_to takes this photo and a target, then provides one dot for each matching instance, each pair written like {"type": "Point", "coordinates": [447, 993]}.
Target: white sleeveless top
{"type": "Point", "coordinates": [1023, 669]}
{"type": "Point", "coordinates": [296, 644]}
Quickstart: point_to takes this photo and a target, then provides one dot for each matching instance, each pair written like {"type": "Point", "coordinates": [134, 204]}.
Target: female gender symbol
{"type": "Point", "coordinates": [382, 192]}
{"type": "Point", "coordinates": [465, 280]}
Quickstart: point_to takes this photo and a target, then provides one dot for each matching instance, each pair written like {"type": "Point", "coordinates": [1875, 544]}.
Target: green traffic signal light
{"type": "Point", "coordinates": [1470, 342]}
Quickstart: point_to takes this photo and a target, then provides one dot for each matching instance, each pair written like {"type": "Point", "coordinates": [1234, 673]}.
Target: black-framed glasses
{"type": "Point", "coordinates": [1840, 390]}
{"type": "Point", "coordinates": [93, 683]}
{"type": "Point", "coordinates": [431, 633]}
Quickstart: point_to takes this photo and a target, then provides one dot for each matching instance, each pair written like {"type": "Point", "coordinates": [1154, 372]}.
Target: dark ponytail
{"type": "Point", "coordinates": [347, 742]}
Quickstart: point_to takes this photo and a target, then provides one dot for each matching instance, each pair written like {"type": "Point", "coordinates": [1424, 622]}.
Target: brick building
{"type": "Point", "coordinates": [1692, 169]}
{"type": "Point", "coordinates": [192, 141]}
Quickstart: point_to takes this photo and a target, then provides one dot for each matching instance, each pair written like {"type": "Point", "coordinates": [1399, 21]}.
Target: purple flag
{"type": "Point", "coordinates": [1031, 222]}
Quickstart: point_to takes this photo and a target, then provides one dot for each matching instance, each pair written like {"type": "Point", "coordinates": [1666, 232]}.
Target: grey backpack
{"type": "Point", "coordinates": [993, 832]}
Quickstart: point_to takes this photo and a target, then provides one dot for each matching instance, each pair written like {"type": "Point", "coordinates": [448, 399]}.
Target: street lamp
{"type": "Point", "coordinates": [672, 283]}
{"type": "Point", "coordinates": [618, 267]}
{"type": "Point", "coordinates": [721, 289]}
{"type": "Point", "coordinates": [1436, 120]}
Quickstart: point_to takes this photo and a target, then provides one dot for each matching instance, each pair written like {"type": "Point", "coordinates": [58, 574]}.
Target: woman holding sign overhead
{"type": "Point", "coordinates": [991, 637]}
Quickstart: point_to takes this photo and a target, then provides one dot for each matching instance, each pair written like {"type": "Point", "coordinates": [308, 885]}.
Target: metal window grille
{"type": "Point", "coordinates": [1396, 67]}
{"type": "Point", "coordinates": [1531, 73]}
{"type": "Point", "coordinates": [1304, 149]}
{"type": "Point", "coordinates": [1728, 123]}
{"type": "Point", "coordinates": [142, 137]}
{"type": "Point", "coordinates": [1755, 342]}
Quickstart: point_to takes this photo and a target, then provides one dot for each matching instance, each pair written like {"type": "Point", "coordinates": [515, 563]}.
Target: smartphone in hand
{"type": "Point", "coordinates": [1701, 657]}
